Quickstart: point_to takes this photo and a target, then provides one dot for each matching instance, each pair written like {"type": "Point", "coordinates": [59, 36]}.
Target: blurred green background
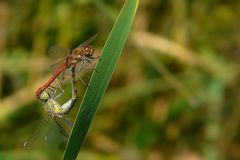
{"type": "Point", "coordinates": [174, 95]}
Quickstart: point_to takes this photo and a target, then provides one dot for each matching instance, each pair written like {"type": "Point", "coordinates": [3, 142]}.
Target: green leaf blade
{"type": "Point", "coordinates": [101, 78]}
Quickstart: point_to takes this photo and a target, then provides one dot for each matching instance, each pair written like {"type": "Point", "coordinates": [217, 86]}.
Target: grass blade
{"type": "Point", "coordinates": [101, 77]}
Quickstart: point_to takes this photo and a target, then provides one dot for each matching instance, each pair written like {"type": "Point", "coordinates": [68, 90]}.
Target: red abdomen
{"type": "Point", "coordinates": [50, 81]}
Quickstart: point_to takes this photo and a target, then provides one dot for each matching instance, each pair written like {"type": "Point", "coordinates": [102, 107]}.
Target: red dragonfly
{"type": "Point", "coordinates": [80, 55]}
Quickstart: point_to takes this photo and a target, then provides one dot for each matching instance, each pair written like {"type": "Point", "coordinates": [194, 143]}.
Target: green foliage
{"type": "Point", "coordinates": [175, 95]}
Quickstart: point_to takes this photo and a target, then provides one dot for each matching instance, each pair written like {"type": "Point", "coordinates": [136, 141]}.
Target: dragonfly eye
{"type": "Point", "coordinates": [86, 48]}
{"type": "Point", "coordinates": [89, 50]}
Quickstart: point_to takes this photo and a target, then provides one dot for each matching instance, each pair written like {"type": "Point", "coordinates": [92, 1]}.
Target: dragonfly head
{"type": "Point", "coordinates": [44, 96]}
{"type": "Point", "coordinates": [88, 50]}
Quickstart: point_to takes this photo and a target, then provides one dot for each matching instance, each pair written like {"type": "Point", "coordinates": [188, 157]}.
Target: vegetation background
{"type": "Point", "coordinates": [174, 95]}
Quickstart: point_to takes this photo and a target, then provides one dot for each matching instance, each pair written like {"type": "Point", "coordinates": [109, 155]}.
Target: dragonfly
{"type": "Point", "coordinates": [52, 107]}
{"type": "Point", "coordinates": [77, 57]}
{"type": "Point", "coordinates": [56, 111]}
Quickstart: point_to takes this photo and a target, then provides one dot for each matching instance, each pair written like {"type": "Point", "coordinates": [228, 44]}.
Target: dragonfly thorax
{"type": "Point", "coordinates": [86, 50]}
{"type": "Point", "coordinates": [53, 108]}
{"type": "Point", "coordinates": [73, 59]}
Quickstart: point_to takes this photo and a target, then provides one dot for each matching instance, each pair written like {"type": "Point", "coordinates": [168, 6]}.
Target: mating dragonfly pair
{"type": "Point", "coordinates": [74, 62]}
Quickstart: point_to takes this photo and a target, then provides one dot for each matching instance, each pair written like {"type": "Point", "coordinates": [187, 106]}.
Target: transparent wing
{"type": "Point", "coordinates": [64, 126]}
{"type": "Point", "coordinates": [34, 139]}
{"type": "Point", "coordinates": [46, 134]}
{"type": "Point", "coordinates": [89, 41]}
{"type": "Point", "coordinates": [51, 135]}
{"type": "Point", "coordinates": [54, 68]}
{"type": "Point", "coordinates": [83, 72]}
{"type": "Point", "coordinates": [57, 53]}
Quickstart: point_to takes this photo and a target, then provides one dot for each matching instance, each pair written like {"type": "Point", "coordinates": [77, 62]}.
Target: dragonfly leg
{"type": "Point", "coordinates": [78, 73]}
{"type": "Point", "coordinates": [89, 63]}
{"type": "Point", "coordinates": [89, 59]}
{"type": "Point", "coordinates": [93, 57]}
{"type": "Point", "coordinates": [53, 90]}
{"type": "Point", "coordinates": [61, 91]}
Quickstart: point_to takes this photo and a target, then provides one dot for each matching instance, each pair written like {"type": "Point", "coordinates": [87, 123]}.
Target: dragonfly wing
{"type": "Point", "coordinates": [56, 52]}
{"type": "Point", "coordinates": [64, 126]}
{"type": "Point", "coordinates": [62, 75]}
{"type": "Point", "coordinates": [46, 134]}
{"type": "Point", "coordinates": [89, 41]}
{"type": "Point", "coordinates": [34, 139]}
